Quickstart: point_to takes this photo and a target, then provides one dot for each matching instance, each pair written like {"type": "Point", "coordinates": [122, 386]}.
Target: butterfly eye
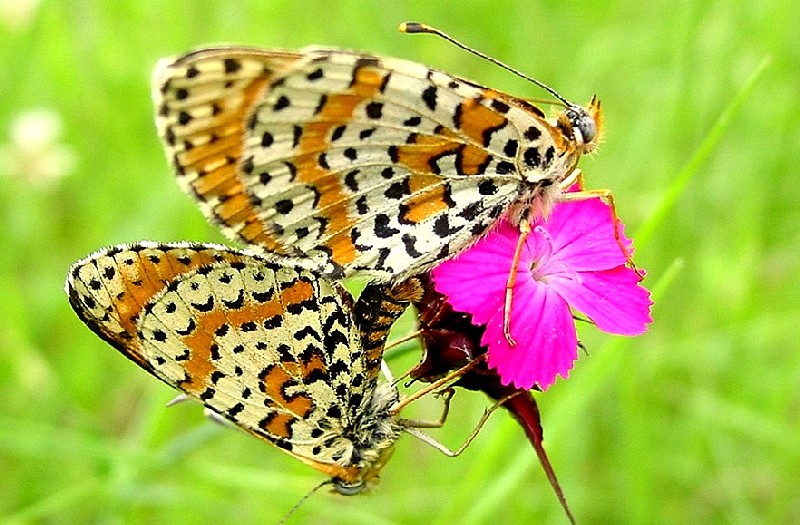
{"type": "Point", "coordinates": [346, 489]}
{"type": "Point", "coordinates": [582, 122]}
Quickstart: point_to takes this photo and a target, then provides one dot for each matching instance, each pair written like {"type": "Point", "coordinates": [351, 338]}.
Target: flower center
{"type": "Point", "coordinates": [544, 251]}
{"type": "Point", "coordinates": [543, 272]}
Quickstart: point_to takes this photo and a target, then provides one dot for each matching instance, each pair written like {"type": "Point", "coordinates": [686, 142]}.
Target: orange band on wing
{"type": "Point", "coordinates": [137, 274]}
{"type": "Point", "coordinates": [337, 110]}
{"type": "Point", "coordinates": [427, 200]}
{"type": "Point", "coordinates": [476, 119]}
{"type": "Point", "coordinates": [199, 366]}
{"type": "Point", "coordinates": [273, 385]}
{"type": "Point", "coordinates": [215, 157]}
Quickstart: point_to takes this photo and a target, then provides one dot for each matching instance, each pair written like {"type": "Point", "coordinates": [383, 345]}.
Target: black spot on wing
{"type": "Point", "coordinates": [374, 110]}
{"type": "Point", "coordinates": [382, 228]}
{"type": "Point", "coordinates": [429, 97]}
{"type": "Point", "coordinates": [206, 306]}
{"type": "Point", "coordinates": [409, 241]}
{"type": "Point", "coordinates": [532, 157]}
{"type": "Point", "coordinates": [237, 303]}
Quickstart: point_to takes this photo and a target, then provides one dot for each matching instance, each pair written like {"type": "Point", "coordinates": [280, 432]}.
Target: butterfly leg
{"type": "Point", "coordinates": [524, 231]}
{"type": "Point", "coordinates": [608, 197]}
{"type": "Point", "coordinates": [414, 431]}
{"type": "Point", "coordinates": [447, 394]}
{"type": "Point", "coordinates": [436, 385]}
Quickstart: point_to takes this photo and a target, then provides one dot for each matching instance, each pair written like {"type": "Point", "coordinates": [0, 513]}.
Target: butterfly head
{"type": "Point", "coordinates": [366, 476]}
{"type": "Point", "coordinates": [371, 438]}
{"type": "Point", "coordinates": [584, 124]}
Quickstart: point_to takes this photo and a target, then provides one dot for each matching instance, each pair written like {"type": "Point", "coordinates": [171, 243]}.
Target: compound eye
{"type": "Point", "coordinates": [346, 489]}
{"type": "Point", "coordinates": [581, 121]}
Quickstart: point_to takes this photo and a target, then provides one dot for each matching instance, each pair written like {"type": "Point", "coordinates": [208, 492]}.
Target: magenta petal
{"type": "Point", "coordinates": [583, 236]}
{"type": "Point", "coordinates": [475, 280]}
{"type": "Point", "coordinates": [574, 220]}
{"type": "Point", "coordinates": [467, 290]}
{"type": "Point", "coordinates": [571, 260]}
{"type": "Point", "coordinates": [542, 325]}
{"type": "Point", "coordinates": [612, 299]}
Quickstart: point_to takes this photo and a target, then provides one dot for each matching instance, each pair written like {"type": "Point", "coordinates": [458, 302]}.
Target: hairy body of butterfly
{"type": "Point", "coordinates": [281, 353]}
{"type": "Point", "coordinates": [363, 164]}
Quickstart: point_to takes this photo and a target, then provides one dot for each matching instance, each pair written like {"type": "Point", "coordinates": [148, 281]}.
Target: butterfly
{"type": "Point", "coordinates": [362, 164]}
{"type": "Point", "coordinates": [280, 352]}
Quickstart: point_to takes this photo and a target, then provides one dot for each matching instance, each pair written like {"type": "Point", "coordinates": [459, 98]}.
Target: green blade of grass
{"type": "Point", "coordinates": [703, 152]}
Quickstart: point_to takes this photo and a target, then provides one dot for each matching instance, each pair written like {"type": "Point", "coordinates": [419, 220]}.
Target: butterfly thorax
{"type": "Point", "coordinates": [371, 433]}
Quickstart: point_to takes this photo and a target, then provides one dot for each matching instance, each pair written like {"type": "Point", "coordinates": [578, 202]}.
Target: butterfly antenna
{"type": "Point", "coordinates": [302, 500]}
{"type": "Point", "coordinates": [416, 27]}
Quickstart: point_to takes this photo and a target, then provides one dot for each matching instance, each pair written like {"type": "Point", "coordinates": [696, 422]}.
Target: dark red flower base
{"type": "Point", "coordinates": [450, 342]}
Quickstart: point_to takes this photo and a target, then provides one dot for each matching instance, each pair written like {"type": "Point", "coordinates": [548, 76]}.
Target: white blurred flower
{"type": "Point", "coordinates": [34, 152]}
{"type": "Point", "coordinates": [17, 15]}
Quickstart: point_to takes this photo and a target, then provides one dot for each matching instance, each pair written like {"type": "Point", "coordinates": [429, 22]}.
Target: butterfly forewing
{"type": "Point", "coordinates": [202, 102]}
{"type": "Point", "coordinates": [373, 180]}
{"type": "Point", "coordinates": [266, 345]}
{"type": "Point", "coordinates": [364, 164]}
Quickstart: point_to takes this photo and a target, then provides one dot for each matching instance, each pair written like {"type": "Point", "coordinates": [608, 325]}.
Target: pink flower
{"type": "Point", "coordinates": [570, 260]}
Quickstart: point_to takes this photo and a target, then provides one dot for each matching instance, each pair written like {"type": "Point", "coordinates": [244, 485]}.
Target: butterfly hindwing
{"type": "Point", "coordinates": [270, 347]}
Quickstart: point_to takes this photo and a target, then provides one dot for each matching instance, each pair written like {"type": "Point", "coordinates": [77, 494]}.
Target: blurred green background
{"type": "Point", "coordinates": [696, 421]}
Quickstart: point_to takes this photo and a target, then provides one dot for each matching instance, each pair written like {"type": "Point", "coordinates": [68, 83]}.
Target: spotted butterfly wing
{"type": "Point", "coordinates": [282, 354]}
{"type": "Point", "coordinates": [364, 164]}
